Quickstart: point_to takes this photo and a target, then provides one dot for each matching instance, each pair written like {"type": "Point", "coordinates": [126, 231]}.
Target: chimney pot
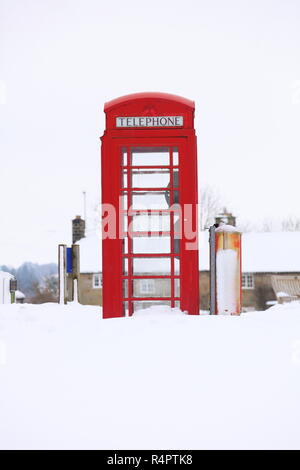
{"type": "Point", "coordinates": [78, 229]}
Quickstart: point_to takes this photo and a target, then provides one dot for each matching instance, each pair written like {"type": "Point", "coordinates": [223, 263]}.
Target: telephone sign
{"type": "Point", "coordinates": [150, 121]}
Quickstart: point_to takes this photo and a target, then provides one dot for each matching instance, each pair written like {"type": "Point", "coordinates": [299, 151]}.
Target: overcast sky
{"type": "Point", "coordinates": [60, 60]}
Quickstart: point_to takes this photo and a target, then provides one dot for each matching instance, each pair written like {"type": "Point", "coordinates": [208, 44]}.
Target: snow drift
{"type": "Point", "coordinates": [161, 379]}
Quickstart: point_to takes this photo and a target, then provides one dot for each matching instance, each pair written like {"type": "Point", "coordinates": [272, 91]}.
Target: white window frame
{"type": "Point", "coordinates": [97, 284]}
{"type": "Point", "coordinates": [147, 286]}
{"type": "Point", "coordinates": [247, 281]}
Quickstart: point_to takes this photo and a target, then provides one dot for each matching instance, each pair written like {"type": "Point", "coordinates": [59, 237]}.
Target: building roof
{"type": "Point", "coordinates": [90, 254]}
{"type": "Point", "coordinates": [269, 252]}
{"type": "Point", "coordinates": [19, 295]}
{"type": "Point", "coordinates": [6, 275]}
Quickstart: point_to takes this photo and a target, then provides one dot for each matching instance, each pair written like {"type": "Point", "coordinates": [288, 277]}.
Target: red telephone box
{"type": "Point", "coordinates": [149, 204]}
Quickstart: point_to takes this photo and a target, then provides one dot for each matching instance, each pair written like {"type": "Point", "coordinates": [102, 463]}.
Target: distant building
{"type": "Point", "coordinates": [264, 255]}
{"type": "Point", "coordinates": [90, 281]}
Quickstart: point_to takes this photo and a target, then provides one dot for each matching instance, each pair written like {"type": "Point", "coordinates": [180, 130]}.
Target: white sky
{"type": "Point", "coordinates": [60, 60]}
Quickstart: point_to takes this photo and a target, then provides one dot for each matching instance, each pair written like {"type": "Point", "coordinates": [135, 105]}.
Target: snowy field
{"type": "Point", "coordinates": [159, 380]}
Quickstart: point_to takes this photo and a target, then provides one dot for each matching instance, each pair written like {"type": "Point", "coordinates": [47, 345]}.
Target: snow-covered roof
{"type": "Point", "coordinates": [5, 275]}
{"type": "Point", "coordinates": [19, 294]}
{"type": "Point", "coordinates": [261, 252]}
{"type": "Point", "coordinates": [90, 254]}
{"type": "Point", "coordinates": [271, 252]}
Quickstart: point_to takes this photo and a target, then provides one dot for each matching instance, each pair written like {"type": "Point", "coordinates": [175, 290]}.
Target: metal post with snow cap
{"type": "Point", "coordinates": [227, 272]}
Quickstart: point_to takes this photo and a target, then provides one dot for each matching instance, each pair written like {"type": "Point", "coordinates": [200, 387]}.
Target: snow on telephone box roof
{"type": "Point", "coordinates": [274, 252]}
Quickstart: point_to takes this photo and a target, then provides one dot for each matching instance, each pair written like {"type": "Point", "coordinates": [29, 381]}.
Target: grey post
{"type": "Point", "coordinates": [212, 265]}
{"type": "Point", "coordinates": [62, 275]}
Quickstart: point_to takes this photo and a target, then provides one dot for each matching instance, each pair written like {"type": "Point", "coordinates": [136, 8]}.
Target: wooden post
{"type": "Point", "coordinates": [62, 275]}
{"type": "Point", "coordinates": [212, 271]}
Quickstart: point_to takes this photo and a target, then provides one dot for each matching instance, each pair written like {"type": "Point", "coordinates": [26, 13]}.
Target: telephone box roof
{"type": "Point", "coordinates": [147, 95]}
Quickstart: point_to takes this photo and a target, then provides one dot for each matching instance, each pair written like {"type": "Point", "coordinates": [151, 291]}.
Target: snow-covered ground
{"type": "Point", "coordinates": [158, 380]}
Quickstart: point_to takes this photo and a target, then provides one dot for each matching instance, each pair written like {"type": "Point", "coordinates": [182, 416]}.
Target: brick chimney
{"type": "Point", "coordinates": [78, 228]}
{"type": "Point", "coordinates": [226, 217]}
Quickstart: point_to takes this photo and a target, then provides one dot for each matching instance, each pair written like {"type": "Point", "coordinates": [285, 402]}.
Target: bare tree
{"type": "Point", "coordinates": [246, 226]}
{"type": "Point", "coordinates": [210, 206]}
{"type": "Point", "coordinates": [47, 292]}
{"type": "Point", "coordinates": [267, 225]}
{"type": "Point", "coordinates": [291, 224]}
